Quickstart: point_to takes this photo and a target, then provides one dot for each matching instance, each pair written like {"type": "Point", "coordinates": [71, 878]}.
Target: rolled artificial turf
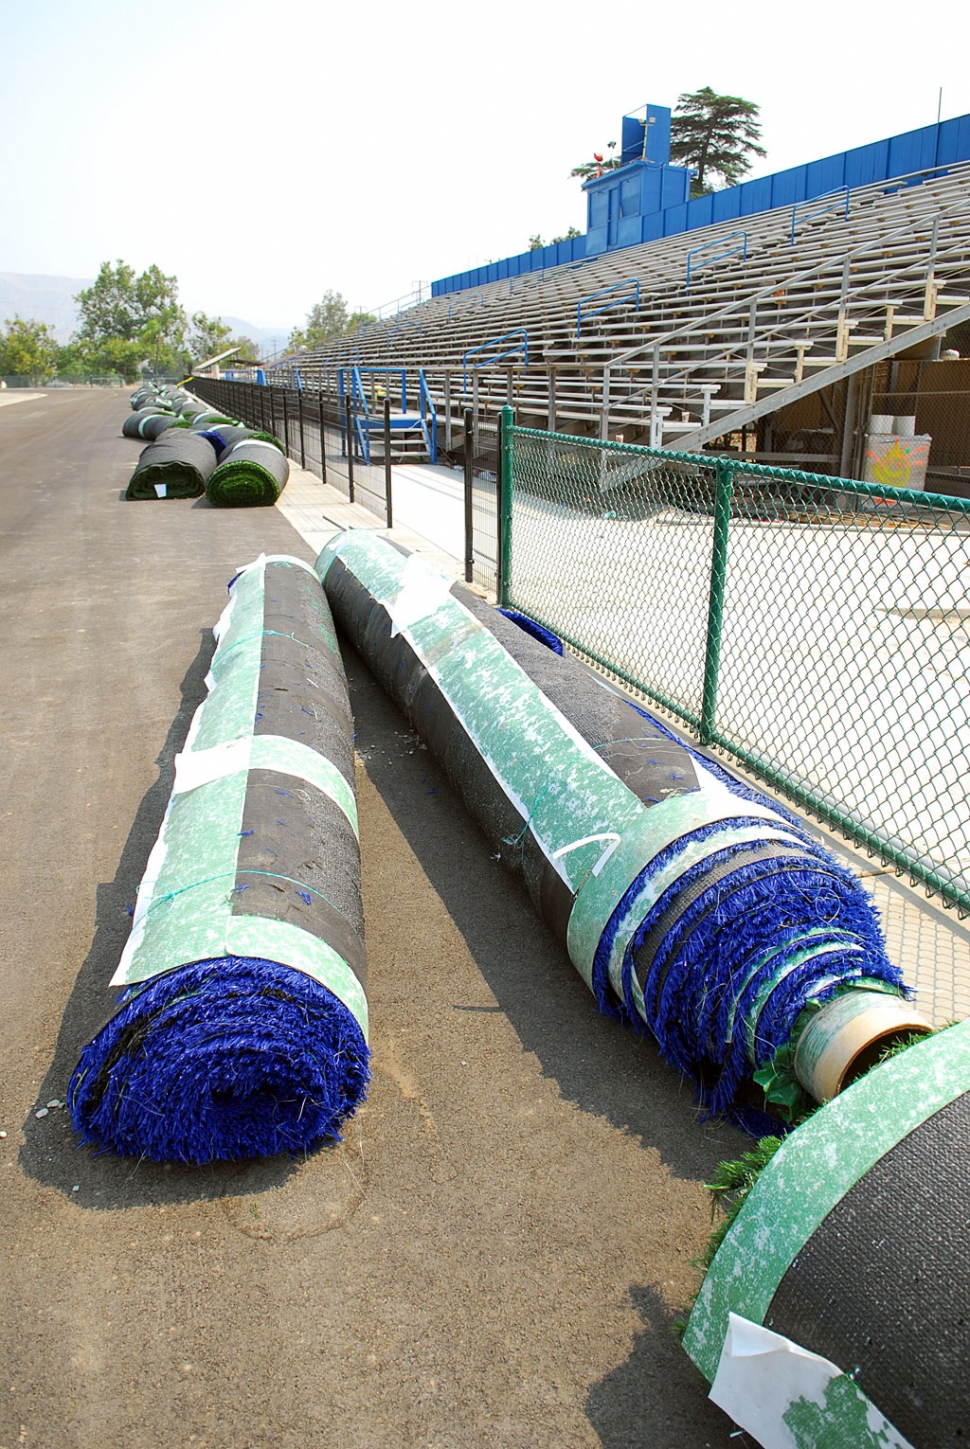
{"type": "Point", "coordinates": [836, 1310]}
{"type": "Point", "coordinates": [691, 905]}
{"type": "Point", "coordinates": [148, 422]}
{"type": "Point", "coordinates": [252, 474]}
{"type": "Point", "coordinates": [178, 465]}
{"type": "Point", "coordinates": [224, 438]}
{"type": "Point", "coordinates": [241, 1030]}
{"type": "Point", "coordinates": [154, 426]}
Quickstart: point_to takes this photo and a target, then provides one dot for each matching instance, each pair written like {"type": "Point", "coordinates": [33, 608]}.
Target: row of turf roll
{"type": "Point", "coordinates": [194, 450]}
{"type": "Point", "coordinates": [835, 1308]}
{"type": "Point", "coordinates": [241, 1029]}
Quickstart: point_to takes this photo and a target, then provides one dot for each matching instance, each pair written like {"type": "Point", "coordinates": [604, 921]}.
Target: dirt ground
{"type": "Point", "coordinates": [496, 1253]}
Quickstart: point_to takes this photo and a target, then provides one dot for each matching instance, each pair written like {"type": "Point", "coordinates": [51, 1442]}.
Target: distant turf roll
{"type": "Point", "coordinates": [223, 438]}
{"type": "Point", "coordinates": [251, 474]}
{"type": "Point", "coordinates": [148, 422]}
{"type": "Point", "coordinates": [178, 465]}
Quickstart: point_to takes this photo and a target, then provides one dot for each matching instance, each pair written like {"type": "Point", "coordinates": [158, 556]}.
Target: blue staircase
{"type": "Point", "coordinates": [411, 425]}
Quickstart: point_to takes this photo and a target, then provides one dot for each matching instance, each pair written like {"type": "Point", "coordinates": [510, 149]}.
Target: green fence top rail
{"type": "Point", "coordinates": [742, 470]}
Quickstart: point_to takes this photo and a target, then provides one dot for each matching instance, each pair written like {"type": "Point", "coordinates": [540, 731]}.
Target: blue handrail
{"type": "Point", "coordinates": [400, 372]}
{"type": "Point", "coordinates": [833, 205]}
{"type": "Point", "coordinates": [364, 421]}
{"type": "Point", "coordinates": [592, 296]}
{"type": "Point", "coordinates": [522, 347]}
{"type": "Point", "coordinates": [424, 400]}
{"type": "Point", "coordinates": [718, 241]}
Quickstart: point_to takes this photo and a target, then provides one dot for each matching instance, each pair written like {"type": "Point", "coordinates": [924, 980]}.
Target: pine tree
{"type": "Point", "coordinates": [717, 135]}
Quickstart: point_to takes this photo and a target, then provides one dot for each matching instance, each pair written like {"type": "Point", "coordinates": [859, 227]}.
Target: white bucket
{"type": "Point", "coordinates": [904, 426]}
{"type": "Point", "coordinates": [881, 423]}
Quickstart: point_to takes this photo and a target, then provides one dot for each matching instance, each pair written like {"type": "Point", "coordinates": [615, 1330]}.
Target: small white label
{"type": "Point", "coordinates": [161, 490]}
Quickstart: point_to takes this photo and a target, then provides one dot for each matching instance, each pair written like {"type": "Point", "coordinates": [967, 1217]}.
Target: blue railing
{"type": "Point", "coordinates": [522, 347]}
{"type": "Point", "coordinates": [592, 297]}
{"type": "Point", "coordinates": [742, 247]}
{"type": "Point", "coordinates": [424, 401]}
{"type": "Point", "coordinates": [840, 202]}
{"type": "Point", "coordinates": [364, 422]}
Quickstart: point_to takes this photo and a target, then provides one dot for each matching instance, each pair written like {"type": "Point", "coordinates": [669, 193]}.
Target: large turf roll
{"type": "Point", "coordinates": [251, 473]}
{"type": "Point", "coordinates": [839, 1298]}
{"type": "Point", "coordinates": [178, 465]}
{"type": "Point", "coordinates": [689, 903]}
{"type": "Point", "coordinates": [241, 1029]}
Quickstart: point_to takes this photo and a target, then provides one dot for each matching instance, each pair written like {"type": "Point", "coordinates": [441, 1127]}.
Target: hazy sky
{"type": "Point", "coordinates": [265, 150]}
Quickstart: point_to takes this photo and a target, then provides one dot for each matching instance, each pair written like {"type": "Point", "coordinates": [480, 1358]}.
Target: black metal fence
{"type": "Point", "coordinates": [319, 430]}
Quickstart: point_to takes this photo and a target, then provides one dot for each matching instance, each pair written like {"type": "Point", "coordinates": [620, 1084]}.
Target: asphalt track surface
{"type": "Point", "coordinates": [495, 1254]}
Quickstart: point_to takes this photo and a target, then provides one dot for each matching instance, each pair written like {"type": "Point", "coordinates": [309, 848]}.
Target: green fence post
{"type": "Point", "coordinates": [505, 508]}
{"type": "Point", "coordinates": [723, 488]}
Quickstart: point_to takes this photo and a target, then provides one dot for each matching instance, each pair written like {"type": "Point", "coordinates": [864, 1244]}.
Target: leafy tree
{"type": "Point", "coordinates": [28, 349]}
{"type": "Point", "coordinates": [327, 319]}
{"type": "Point", "coordinates": [127, 320]}
{"type": "Point", "coordinates": [536, 243]}
{"type": "Point", "coordinates": [717, 135]}
{"type": "Point", "coordinates": [210, 336]}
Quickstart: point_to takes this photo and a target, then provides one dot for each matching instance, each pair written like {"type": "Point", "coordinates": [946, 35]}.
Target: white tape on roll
{"type": "Point", "coordinates": [765, 1382]}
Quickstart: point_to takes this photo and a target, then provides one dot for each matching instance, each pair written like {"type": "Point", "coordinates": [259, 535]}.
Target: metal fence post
{"type": "Point", "coordinates": [723, 488]}
{"type": "Point", "coordinates": [299, 413]}
{"type": "Point", "coordinates": [504, 550]}
{"type": "Point", "coordinates": [349, 423]}
{"type": "Point", "coordinates": [286, 422]}
{"type": "Point", "coordinates": [469, 500]}
{"type": "Point", "coordinates": [323, 439]}
{"type": "Point", "coordinates": [388, 474]}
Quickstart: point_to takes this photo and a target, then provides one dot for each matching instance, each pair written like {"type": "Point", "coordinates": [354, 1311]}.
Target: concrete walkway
{"type": "Point", "coordinates": [318, 511]}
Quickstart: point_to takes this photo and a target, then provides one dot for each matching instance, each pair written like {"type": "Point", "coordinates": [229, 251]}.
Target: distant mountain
{"type": "Point", "coordinates": [51, 300]}
{"type": "Point", "coordinates": [42, 299]}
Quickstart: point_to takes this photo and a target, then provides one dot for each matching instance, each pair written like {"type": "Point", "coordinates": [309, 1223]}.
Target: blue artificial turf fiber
{"type": "Point", "coordinates": [536, 631]}
{"type": "Point", "coordinates": [221, 1059]}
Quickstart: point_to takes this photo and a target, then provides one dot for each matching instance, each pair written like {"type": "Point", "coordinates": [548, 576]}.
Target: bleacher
{"type": "Point", "coordinates": [705, 333]}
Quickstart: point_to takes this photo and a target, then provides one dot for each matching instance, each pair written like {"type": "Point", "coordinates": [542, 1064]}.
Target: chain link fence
{"type": "Point", "coordinates": [815, 628]}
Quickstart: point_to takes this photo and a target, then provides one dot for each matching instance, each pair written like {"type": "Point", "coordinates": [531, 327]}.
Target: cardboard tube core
{"type": "Point", "coordinates": [845, 1038]}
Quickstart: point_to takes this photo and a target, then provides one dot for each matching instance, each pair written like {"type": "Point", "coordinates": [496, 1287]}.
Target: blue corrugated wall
{"type": "Point", "coordinates": [937, 145]}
